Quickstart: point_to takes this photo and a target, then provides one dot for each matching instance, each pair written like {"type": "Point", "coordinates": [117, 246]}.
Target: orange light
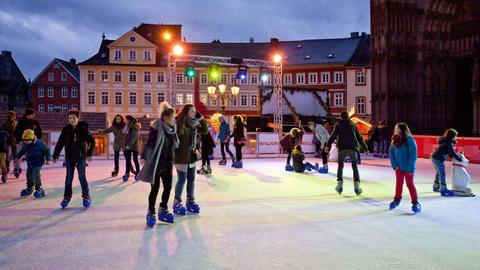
{"type": "Point", "coordinates": [277, 58]}
{"type": "Point", "coordinates": [167, 36]}
{"type": "Point", "coordinates": [178, 50]}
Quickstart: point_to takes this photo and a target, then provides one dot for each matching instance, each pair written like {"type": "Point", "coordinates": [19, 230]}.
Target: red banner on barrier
{"type": "Point", "coordinates": [468, 145]}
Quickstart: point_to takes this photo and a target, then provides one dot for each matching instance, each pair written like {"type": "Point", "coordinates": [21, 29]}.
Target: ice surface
{"type": "Point", "coordinates": [260, 217]}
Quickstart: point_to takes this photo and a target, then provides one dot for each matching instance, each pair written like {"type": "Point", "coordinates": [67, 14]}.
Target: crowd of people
{"type": "Point", "coordinates": [179, 140]}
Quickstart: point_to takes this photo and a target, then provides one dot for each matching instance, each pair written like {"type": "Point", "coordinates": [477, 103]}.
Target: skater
{"type": "Point", "coordinates": [207, 145]}
{"type": "Point", "coordinates": [27, 122]}
{"type": "Point", "coordinates": [383, 137]}
{"type": "Point", "coordinates": [131, 147]}
{"type": "Point", "coordinates": [239, 140]}
{"type": "Point", "coordinates": [9, 125]}
{"type": "Point", "coordinates": [37, 154]}
{"type": "Point", "coordinates": [445, 149]}
{"type": "Point", "coordinates": [348, 140]}
{"type": "Point", "coordinates": [117, 127]}
{"type": "Point", "coordinates": [3, 153]}
{"type": "Point", "coordinates": [322, 136]}
{"type": "Point", "coordinates": [288, 142]}
{"type": "Point", "coordinates": [157, 159]}
{"type": "Point", "coordinates": [403, 156]}
{"type": "Point", "coordinates": [189, 122]}
{"type": "Point", "coordinates": [79, 146]}
{"type": "Point", "coordinates": [298, 157]}
{"type": "Point", "coordinates": [223, 137]}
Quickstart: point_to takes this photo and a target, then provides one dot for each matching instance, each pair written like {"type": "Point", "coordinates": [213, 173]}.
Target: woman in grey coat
{"type": "Point", "coordinates": [118, 124]}
{"type": "Point", "coordinates": [131, 147]}
{"type": "Point", "coordinates": [157, 159]}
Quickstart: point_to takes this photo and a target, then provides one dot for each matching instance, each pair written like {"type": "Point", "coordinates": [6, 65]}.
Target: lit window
{"type": "Point", "coordinates": [189, 98]}
{"type": "Point", "coordinates": [179, 99]}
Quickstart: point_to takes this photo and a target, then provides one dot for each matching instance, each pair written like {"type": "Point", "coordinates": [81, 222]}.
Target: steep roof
{"type": "Point", "coordinates": [362, 55]}
{"type": "Point", "coordinates": [70, 67]}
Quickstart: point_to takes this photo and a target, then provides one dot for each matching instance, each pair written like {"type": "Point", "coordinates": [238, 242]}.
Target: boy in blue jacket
{"type": "Point", "coordinates": [403, 156]}
{"type": "Point", "coordinates": [37, 154]}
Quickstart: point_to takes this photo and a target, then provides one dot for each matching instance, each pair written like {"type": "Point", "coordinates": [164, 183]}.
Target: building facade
{"type": "Point", "coordinates": [14, 88]}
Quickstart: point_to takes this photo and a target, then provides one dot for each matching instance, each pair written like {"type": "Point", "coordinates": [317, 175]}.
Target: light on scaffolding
{"type": "Point", "coordinates": [167, 36]}
{"type": "Point", "coordinates": [177, 50]}
{"type": "Point", "coordinates": [277, 58]}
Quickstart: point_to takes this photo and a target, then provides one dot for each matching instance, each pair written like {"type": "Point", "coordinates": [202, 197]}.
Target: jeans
{"type": "Point", "coordinates": [384, 147]}
{"type": "Point", "coordinates": [189, 177]}
{"type": "Point", "coordinates": [399, 185]}
{"type": "Point", "coordinates": [116, 157]}
{"type": "Point", "coordinates": [128, 158]}
{"type": "Point", "coordinates": [205, 159]}
{"type": "Point", "coordinates": [33, 177]}
{"type": "Point", "coordinates": [167, 187]}
{"type": "Point", "coordinates": [80, 165]}
{"type": "Point", "coordinates": [324, 156]}
{"type": "Point", "coordinates": [238, 152]}
{"type": "Point", "coordinates": [289, 156]}
{"type": "Point", "coordinates": [223, 147]}
{"type": "Point", "coordinates": [306, 166]}
{"type": "Point", "coordinates": [440, 174]}
{"type": "Point", "coordinates": [353, 157]}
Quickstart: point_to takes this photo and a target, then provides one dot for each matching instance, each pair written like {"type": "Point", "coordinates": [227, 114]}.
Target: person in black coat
{"type": "Point", "coordinates": [207, 145]}
{"type": "Point", "coordinates": [239, 139]}
{"type": "Point", "coordinates": [27, 122]}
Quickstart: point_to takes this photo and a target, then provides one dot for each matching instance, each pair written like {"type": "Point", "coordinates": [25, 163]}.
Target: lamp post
{"type": "Point", "coordinates": [222, 93]}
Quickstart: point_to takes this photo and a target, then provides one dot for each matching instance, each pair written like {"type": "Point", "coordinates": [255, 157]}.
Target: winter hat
{"type": "Point", "coordinates": [28, 135]}
{"type": "Point", "coordinates": [29, 111]}
{"type": "Point", "coordinates": [10, 114]}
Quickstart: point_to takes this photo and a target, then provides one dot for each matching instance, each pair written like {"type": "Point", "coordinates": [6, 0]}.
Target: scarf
{"type": "Point", "coordinates": [192, 125]}
{"type": "Point", "coordinates": [171, 130]}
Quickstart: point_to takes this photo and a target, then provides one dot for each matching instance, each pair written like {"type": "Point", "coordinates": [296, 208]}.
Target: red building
{"type": "Point", "coordinates": [57, 86]}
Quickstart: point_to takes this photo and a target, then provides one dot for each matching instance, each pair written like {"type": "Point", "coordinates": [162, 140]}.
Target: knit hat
{"type": "Point", "coordinates": [28, 135]}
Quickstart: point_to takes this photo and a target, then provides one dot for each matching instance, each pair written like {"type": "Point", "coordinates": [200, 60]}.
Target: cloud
{"type": "Point", "coordinates": [38, 31]}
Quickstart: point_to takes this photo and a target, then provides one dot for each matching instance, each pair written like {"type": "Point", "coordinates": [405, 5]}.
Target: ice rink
{"type": "Point", "coordinates": [259, 217]}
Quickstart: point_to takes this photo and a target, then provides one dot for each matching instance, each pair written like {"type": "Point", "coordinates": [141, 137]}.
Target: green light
{"type": "Point", "coordinates": [213, 72]}
{"type": "Point", "coordinates": [190, 72]}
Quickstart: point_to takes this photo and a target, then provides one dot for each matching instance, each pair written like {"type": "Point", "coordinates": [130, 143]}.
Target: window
{"type": "Point", "coordinates": [64, 107]}
{"type": "Point", "coordinates": [104, 76]}
{"type": "Point", "coordinates": [243, 100]}
{"type": "Point", "coordinates": [254, 78]}
{"type": "Point", "coordinates": [203, 78]}
{"type": "Point", "coordinates": [160, 97]}
{"type": "Point", "coordinates": [189, 80]}
{"type": "Point", "coordinates": [118, 98]}
{"type": "Point", "coordinates": [160, 77]}
{"type": "Point", "coordinates": [132, 76]}
{"type": "Point", "coordinates": [223, 78]}
{"type": "Point", "coordinates": [360, 77]}
{"type": "Point", "coordinates": [104, 98]}
{"type": "Point", "coordinates": [179, 99]}
{"type": "Point", "coordinates": [50, 91]}
{"type": "Point", "coordinates": [75, 106]}
{"type": "Point", "coordinates": [132, 55]}
{"type": "Point", "coordinates": [339, 77]}
{"type": "Point", "coordinates": [300, 78]}
{"type": "Point", "coordinates": [41, 91]}
{"type": "Point", "coordinates": [312, 78]}
{"type": "Point", "coordinates": [64, 91]}
{"type": "Point", "coordinates": [189, 98]}
{"type": "Point", "coordinates": [233, 101]}
{"type": "Point", "coordinates": [233, 78]}
{"type": "Point", "coordinates": [51, 77]}
{"type": "Point", "coordinates": [91, 75]}
{"type": "Point", "coordinates": [118, 55]}
{"type": "Point", "coordinates": [56, 65]}
{"type": "Point", "coordinates": [147, 98]}
{"type": "Point", "coordinates": [325, 77]}
{"type": "Point", "coordinates": [360, 105]}
{"type": "Point", "coordinates": [147, 76]}
{"type": "Point", "coordinates": [179, 77]}
{"type": "Point", "coordinates": [51, 108]}
{"type": "Point", "coordinates": [41, 107]}
{"type": "Point", "coordinates": [133, 98]}
{"type": "Point", "coordinates": [147, 56]}
{"type": "Point", "coordinates": [64, 76]}
{"type": "Point", "coordinates": [253, 100]}
{"type": "Point", "coordinates": [287, 79]}
{"type": "Point", "coordinates": [338, 99]}
{"type": "Point", "coordinates": [117, 76]}
{"type": "Point", "coordinates": [132, 39]}
{"type": "Point", "coordinates": [74, 92]}
{"type": "Point", "coordinates": [203, 99]}
{"type": "Point", "coordinates": [91, 98]}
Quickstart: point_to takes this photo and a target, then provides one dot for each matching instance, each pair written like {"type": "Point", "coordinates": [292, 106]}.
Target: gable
{"type": "Point", "coordinates": [132, 39]}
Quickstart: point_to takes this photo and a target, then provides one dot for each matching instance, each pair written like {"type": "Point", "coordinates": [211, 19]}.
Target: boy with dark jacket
{"type": "Point", "coordinates": [9, 126]}
{"type": "Point", "coordinates": [36, 152]}
{"type": "Point", "coordinates": [79, 146]}
{"type": "Point", "coordinates": [27, 122]}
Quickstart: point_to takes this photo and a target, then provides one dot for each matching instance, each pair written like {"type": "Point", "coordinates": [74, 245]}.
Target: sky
{"type": "Point", "coordinates": [38, 31]}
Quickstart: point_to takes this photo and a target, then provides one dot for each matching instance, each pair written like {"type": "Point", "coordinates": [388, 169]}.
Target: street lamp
{"type": "Point", "coordinates": [177, 50]}
{"type": "Point", "coordinates": [222, 93]}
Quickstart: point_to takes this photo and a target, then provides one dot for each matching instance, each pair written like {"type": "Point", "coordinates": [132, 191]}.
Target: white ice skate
{"type": "Point", "coordinates": [461, 178]}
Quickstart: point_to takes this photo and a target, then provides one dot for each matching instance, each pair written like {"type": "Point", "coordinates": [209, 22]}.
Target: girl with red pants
{"type": "Point", "coordinates": [403, 156]}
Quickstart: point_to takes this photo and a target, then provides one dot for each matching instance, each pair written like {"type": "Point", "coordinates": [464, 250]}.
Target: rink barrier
{"type": "Point", "coordinates": [468, 145]}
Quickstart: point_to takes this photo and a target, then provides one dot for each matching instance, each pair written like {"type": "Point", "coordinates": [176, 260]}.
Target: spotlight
{"type": "Point", "coordinates": [242, 72]}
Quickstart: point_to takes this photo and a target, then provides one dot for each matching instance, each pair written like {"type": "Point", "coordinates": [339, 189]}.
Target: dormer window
{"type": "Point", "coordinates": [133, 39]}
{"type": "Point", "coordinates": [132, 55]}
{"type": "Point", "coordinates": [118, 54]}
{"type": "Point", "coordinates": [147, 56]}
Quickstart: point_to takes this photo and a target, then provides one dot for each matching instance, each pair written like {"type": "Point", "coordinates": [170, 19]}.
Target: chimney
{"type": "Point", "coordinates": [6, 53]}
{"type": "Point", "coordinates": [73, 62]}
{"type": "Point", "coordinates": [354, 35]}
{"type": "Point", "coordinates": [251, 40]}
{"type": "Point", "coordinates": [274, 42]}
{"type": "Point", "coordinates": [364, 34]}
